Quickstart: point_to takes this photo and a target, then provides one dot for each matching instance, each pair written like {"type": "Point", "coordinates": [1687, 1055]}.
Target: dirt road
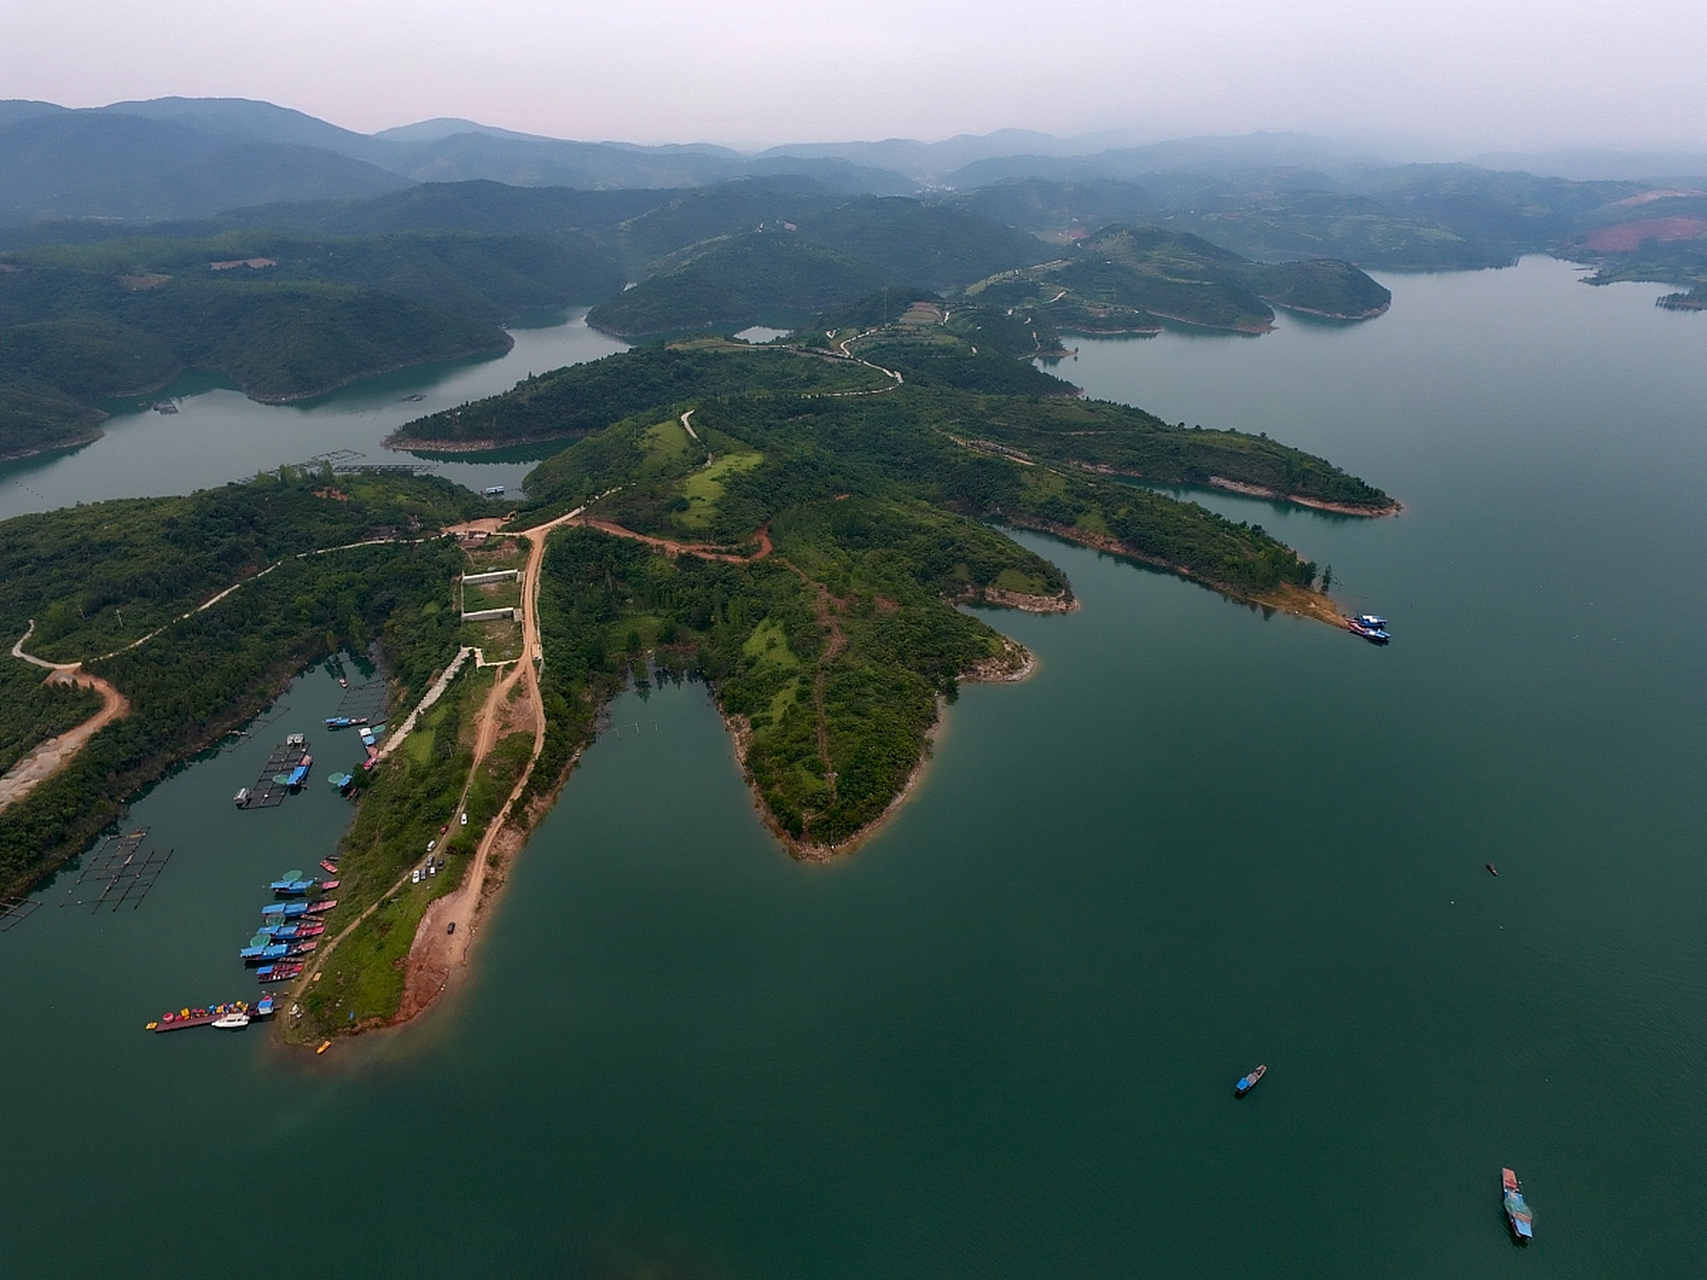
{"type": "Point", "coordinates": [51, 756]}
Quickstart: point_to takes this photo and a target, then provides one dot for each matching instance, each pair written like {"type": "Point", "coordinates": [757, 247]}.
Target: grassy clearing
{"type": "Point", "coordinates": [769, 644]}
{"type": "Point", "coordinates": [704, 488]}
{"type": "Point", "coordinates": [492, 595]}
{"type": "Point", "coordinates": [497, 641]}
{"type": "Point", "coordinates": [1030, 584]}
{"type": "Point", "coordinates": [666, 444]}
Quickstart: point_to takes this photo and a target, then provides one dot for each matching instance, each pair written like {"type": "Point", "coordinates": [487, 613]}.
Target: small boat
{"type": "Point", "coordinates": [232, 1021]}
{"type": "Point", "coordinates": [242, 798]}
{"type": "Point", "coordinates": [324, 905]}
{"type": "Point", "coordinates": [1517, 1214]}
{"type": "Point", "coordinates": [323, 1046]}
{"type": "Point", "coordinates": [1491, 870]}
{"type": "Point", "coordinates": [338, 722]}
{"type": "Point", "coordinates": [302, 948]}
{"type": "Point", "coordinates": [283, 971]}
{"type": "Point", "coordinates": [299, 775]}
{"type": "Point", "coordinates": [291, 884]}
{"type": "Point", "coordinates": [286, 910]}
{"type": "Point", "coordinates": [263, 1008]}
{"type": "Point", "coordinates": [493, 491]}
{"type": "Point", "coordinates": [262, 948]}
{"type": "Point", "coordinates": [1370, 627]}
{"type": "Point", "coordinates": [1249, 1082]}
{"type": "Point", "coordinates": [328, 866]}
{"type": "Point", "coordinates": [339, 780]}
{"type": "Point", "coordinates": [329, 884]}
{"type": "Point", "coordinates": [313, 930]}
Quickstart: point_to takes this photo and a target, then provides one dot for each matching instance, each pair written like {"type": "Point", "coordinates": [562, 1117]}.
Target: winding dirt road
{"type": "Point", "coordinates": [51, 756]}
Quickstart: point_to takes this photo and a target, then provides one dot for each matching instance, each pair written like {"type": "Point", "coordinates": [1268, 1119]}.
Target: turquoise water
{"type": "Point", "coordinates": [219, 434]}
{"type": "Point", "coordinates": [1000, 1040]}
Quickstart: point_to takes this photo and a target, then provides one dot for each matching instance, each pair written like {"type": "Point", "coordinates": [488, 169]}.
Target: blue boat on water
{"type": "Point", "coordinates": [292, 884]}
{"type": "Point", "coordinates": [1517, 1213]}
{"type": "Point", "coordinates": [1248, 1082]}
{"type": "Point", "coordinates": [1370, 627]}
{"type": "Point", "coordinates": [263, 948]}
{"type": "Point", "coordinates": [299, 775]}
{"type": "Point", "coordinates": [284, 910]}
{"type": "Point", "coordinates": [338, 722]}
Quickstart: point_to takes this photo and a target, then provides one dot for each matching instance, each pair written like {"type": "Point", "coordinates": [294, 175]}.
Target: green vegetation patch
{"type": "Point", "coordinates": [704, 488]}
{"type": "Point", "coordinates": [32, 709]}
{"type": "Point", "coordinates": [101, 576]}
{"type": "Point", "coordinates": [569, 403]}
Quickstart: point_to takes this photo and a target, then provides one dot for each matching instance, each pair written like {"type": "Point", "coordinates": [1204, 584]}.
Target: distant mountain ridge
{"type": "Point", "coordinates": [194, 157]}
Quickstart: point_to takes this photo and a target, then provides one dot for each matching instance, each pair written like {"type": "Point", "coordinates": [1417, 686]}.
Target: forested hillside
{"type": "Point", "coordinates": [282, 317]}
{"type": "Point", "coordinates": [97, 578]}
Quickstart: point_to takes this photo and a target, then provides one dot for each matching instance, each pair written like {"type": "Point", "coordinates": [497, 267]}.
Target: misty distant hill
{"type": "Point", "coordinates": [171, 158]}
{"type": "Point", "coordinates": [91, 164]}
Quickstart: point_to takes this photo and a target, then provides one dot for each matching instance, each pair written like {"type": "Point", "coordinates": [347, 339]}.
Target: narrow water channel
{"type": "Point", "coordinates": [217, 434]}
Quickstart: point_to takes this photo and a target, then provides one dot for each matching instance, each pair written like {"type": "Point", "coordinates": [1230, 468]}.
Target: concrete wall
{"type": "Point", "coordinates": [496, 575]}
{"type": "Point", "coordinates": [493, 615]}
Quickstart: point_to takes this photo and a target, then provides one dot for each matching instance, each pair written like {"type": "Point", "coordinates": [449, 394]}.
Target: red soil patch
{"type": "Point", "coordinates": [1628, 236]}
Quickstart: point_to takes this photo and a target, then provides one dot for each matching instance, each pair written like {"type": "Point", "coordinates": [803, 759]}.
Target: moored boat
{"type": "Point", "coordinates": [321, 907]}
{"type": "Point", "coordinates": [262, 948]}
{"type": "Point", "coordinates": [233, 1021]}
{"type": "Point", "coordinates": [179, 1019]}
{"type": "Point", "coordinates": [1517, 1214]}
{"type": "Point", "coordinates": [1370, 627]}
{"type": "Point", "coordinates": [299, 775]}
{"type": "Point", "coordinates": [292, 884]}
{"type": "Point", "coordinates": [282, 971]}
{"type": "Point", "coordinates": [242, 797]}
{"type": "Point", "coordinates": [284, 909]}
{"type": "Point", "coordinates": [1248, 1082]}
{"type": "Point", "coordinates": [328, 866]}
{"type": "Point", "coordinates": [329, 884]}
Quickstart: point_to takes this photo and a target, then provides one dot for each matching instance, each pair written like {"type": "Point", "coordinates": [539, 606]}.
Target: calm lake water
{"type": "Point", "coordinates": [1001, 1039]}
{"type": "Point", "coordinates": [219, 434]}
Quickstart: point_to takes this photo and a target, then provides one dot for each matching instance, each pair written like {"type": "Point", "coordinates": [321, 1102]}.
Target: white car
{"type": "Point", "coordinates": [415, 876]}
{"type": "Point", "coordinates": [431, 845]}
{"type": "Point", "coordinates": [465, 817]}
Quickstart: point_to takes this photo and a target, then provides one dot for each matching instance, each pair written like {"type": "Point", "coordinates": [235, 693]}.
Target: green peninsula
{"type": "Point", "coordinates": [800, 525]}
{"type": "Point", "coordinates": [1133, 279]}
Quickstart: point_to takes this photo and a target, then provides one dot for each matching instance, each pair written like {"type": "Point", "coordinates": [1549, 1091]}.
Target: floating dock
{"type": "Point", "coordinates": [116, 871]}
{"type": "Point", "coordinates": [268, 792]}
{"type": "Point", "coordinates": [13, 911]}
{"type": "Point", "coordinates": [363, 701]}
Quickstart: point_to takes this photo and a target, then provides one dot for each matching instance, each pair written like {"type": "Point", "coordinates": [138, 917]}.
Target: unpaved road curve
{"type": "Point", "coordinates": [51, 756]}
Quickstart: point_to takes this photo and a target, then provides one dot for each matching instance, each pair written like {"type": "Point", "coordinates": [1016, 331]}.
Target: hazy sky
{"type": "Point", "coordinates": [1466, 73]}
